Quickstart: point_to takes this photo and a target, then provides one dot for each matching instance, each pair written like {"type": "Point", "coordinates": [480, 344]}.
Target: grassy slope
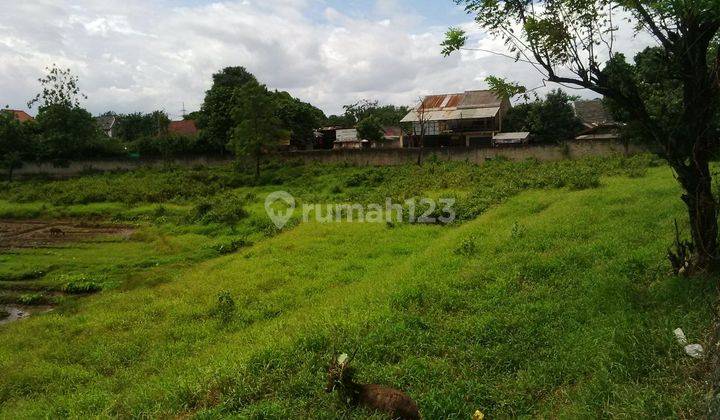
{"type": "Point", "coordinates": [554, 303]}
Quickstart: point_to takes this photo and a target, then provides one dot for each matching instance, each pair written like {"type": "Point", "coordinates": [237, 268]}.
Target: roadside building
{"type": "Point", "coordinates": [469, 119]}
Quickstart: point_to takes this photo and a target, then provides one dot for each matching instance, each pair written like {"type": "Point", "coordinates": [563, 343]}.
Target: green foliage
{"type": "Point", "coordinates": [370, 129]}
{"type": "Point", "coordinates": [505, 89]}
{"type": "Point", "coordinates": [60, 88]}
{"type": "Point", "coordinates": [166, 146]}
{"type": "Point", "coordinates": [551, 120]}
{"type": "Point", "coordinates": [225, 308]}
{"type": "Point", "coordinates": [217, 116]}
{"type": "Point", "coordinates": [384, 115]}
{"type": "Point", "coordinates": [66, 133]}
{"type": "Point", "coordinates": [136, 126]}
{"type": "Point", "coordinates": [224, 208]}
{"type": "Point", "coordinates": [258, 129]}
{"type": "Point", "coordinates": [81, 287]}
{"type": "Point", "coordinates": [17, 142]}
{"type": "Point", "coordinates": [297, 117]}
{"type": "Point", "coordinates": [31, 299]}
{"type": "Point", "coordinates": [455, 39]}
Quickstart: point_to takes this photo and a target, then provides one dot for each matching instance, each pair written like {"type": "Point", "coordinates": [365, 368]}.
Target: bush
{"type": "Point", "coordinates": [32, 299]}
{"type": "Point", "coordinates": [224, 308]}
{"type": "Point", "coordinates": [231, 246]}
{"type": "Point", "coordinates": [81, 287]}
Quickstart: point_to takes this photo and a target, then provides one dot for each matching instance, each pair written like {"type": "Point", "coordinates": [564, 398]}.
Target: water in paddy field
{"type": "Point", "coordinates": [18, 313]}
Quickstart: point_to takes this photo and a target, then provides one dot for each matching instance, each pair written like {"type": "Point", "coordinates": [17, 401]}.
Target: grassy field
{"type": "Point", "coordinates": [549, 298]}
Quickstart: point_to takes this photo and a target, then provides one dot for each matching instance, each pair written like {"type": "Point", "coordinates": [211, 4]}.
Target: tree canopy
{"type": "Point", "coordinates": [572, 42]}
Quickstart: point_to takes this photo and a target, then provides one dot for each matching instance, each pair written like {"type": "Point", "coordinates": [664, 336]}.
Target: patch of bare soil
{"type": "Point", "coordinates": [42, 233]}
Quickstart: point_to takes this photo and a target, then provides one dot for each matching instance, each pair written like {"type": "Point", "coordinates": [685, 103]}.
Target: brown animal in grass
{"type": "Point", "coordinates": [375, 397]}
{"type": "Point", "coordinates": [56, 232]}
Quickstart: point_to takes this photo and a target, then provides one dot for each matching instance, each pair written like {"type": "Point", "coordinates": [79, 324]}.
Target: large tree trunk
{"type": "Point", "coordinates": [696, 180]}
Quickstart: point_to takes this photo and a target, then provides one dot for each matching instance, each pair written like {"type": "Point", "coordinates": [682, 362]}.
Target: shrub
{"type": "Point", "coordinates": [32, 299]}
{"type": "Point", "coordinates": [231, 246]}
{"type": "Point", "coordinates": [81, 287]}
{"type": "Point", "coordinates": [467, 247]}
{"type": "Point", "coordinates": [224, 307]}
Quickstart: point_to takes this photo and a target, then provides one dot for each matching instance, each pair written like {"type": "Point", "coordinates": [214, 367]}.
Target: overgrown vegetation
{"type": "Point", "coordinates": [555, 303]}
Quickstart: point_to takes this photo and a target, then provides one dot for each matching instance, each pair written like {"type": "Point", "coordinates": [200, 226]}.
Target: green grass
{"type": "Point", "coordinates": [554, 303]}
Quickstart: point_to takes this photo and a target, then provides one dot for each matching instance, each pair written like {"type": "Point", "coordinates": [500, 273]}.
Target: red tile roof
{"type": "Point", "coordinates": [183, 128]}
{"type": "Point", "coordinates": [22, 116]}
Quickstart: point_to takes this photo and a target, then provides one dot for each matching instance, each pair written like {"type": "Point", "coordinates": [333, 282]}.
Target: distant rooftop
{"type": "Point", "coordinates": [593, 113]}
{"type": "Point", "coordinates": [472, 104]}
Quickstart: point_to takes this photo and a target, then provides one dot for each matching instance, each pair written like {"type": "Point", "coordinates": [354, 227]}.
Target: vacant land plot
{"type": "Point", "coordinates": [551, 298]}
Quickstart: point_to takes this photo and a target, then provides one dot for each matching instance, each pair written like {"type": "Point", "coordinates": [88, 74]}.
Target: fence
{"type": "Point", "coordinates": [359, 157]}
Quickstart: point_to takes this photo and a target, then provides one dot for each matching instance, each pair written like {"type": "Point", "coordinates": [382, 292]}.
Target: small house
{"type": "Point", "coordinates": [598, 123]}
{"type": "Point", "coordinates": [185, 128]}
{"type": "Point", "coordinates": [348, 139]}
{"type": "Point", "coordinates": [465, 119]}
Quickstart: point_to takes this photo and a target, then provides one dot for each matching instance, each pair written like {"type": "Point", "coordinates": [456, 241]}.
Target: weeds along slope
{"type": "Point", "coordinates": [555, 303]}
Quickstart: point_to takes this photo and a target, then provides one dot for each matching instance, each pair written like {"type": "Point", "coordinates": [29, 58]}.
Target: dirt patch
{"type": "Point", "coordinates": [40, 233]}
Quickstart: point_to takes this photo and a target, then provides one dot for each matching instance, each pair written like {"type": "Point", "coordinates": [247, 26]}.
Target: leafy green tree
{"type": "Point", "coordinates": [217, 119]}
{"type": "Point", "coordinates": [15, 142]}
{"type": "Point", "coordinates": [299, 118]}
{"type": "Point", "coordinates": [258, 130]}
{"type": "Point", "coordinates": [370, 129]}
{"type": "Point", "coordinates": [59, 87]}
{"type": "Point", "coordinates": [66, 131]}
{"type": "Point", "coordinates": [572, 42]}
{"type": "Point", "coordinates": [551, 120]}
{"type": "Point", "coordinates": [384, 114]}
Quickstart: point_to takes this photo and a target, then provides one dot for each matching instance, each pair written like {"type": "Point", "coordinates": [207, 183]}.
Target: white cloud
{"type": "Point", "coordinates": [140, 55]}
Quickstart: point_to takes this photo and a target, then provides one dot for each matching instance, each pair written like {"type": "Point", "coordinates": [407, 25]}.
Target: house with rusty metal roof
{"type": "Point", "coordinates": [470, 118]}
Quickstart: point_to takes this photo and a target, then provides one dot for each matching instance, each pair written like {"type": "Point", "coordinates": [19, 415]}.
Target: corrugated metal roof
{"type": "Point", "coordinates": [454, 114]}
{"type": "Point", "coordinates": [479, 99]}
{"type": "Point", "coordinates": [346, 136]}
{"type": "Point", "coordinates": [522, 135]}
{"type": "Point", "coordinates": [458, 106]}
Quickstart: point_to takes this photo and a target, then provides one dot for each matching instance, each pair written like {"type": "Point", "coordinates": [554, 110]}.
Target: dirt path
{"type": "Point", "coordinates": [40, 233]}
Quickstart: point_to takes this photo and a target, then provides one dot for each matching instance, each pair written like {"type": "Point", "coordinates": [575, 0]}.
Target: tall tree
{"type": "Point", "coordinates": [572, 42]}
{"type": "Point", "coordinates": [15, 142]}
{"type": "Point", "coordinates": [67, 131]}
{"type": "Point", "coordinates": [216, 115]}
{"type": "Point", "coordinates": [258, 130]}
{"type": "Point", "coordinates": [370, 129]}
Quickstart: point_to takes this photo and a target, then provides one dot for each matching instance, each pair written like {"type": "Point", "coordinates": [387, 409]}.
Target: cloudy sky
{"type": "Point", "coordinates": [140, 55]}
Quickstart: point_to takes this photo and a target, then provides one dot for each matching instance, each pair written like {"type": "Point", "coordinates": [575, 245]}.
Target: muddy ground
{"type": "Point", "coordinates": [42, 233]}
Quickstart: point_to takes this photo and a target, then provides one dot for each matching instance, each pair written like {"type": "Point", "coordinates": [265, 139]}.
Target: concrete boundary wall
{"type": "Point", "coordinates": [359, 157]}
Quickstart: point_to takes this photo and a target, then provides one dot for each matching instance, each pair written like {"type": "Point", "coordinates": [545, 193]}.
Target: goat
{"type": "Point", "coordinates": [376, 397]}
{"type": "Point", "coordinates": [56, 232]}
